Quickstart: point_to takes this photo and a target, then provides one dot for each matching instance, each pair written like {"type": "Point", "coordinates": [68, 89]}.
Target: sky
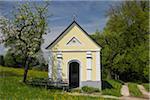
{"type": "Point", "coordinates": [90, 15]}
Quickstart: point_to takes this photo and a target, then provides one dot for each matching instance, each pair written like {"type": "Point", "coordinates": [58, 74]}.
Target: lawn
{"type": "Point", "coordinates": [134, 90]}
{"type": "Point", "coordinates": [147, 86]}
{"type": "Point", "coordinates": [111, 87]}
{"type": "Point", "coordinates": [8, 71]}
{"type": "Point", "coordinates": [11, 87]}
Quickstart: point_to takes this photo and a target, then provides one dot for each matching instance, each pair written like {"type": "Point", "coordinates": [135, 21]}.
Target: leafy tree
{"type": "Point", "coordinates": [12, 60]}
{"type": "Point", "coordinates": [125, 41]}
{"type": "Point", "coordinates": [23, 33]}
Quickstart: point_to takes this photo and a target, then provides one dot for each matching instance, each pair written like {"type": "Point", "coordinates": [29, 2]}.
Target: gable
{"type": "Point", "coordinates": [74, 38]}
{"type": "Point", "coordinates": [74, 42]}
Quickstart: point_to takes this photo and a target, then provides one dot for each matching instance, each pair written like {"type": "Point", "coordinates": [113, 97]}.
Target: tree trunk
{"type": "Point", "coordinates": [26, 70]}
{"type": "Point", "coordinates": [109, 74]}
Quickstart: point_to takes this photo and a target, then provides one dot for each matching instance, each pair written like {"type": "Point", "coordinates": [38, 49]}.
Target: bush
{"type": "Point", "coordinates": [88, 89]}
{"type": "Point", "coordinates": [76, 90]}
{"type": "Point", "coordinates": [146, 73]}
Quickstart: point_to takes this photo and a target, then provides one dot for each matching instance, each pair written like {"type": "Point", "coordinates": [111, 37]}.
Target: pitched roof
{"type": "Point", "coordinates": [67, 29]}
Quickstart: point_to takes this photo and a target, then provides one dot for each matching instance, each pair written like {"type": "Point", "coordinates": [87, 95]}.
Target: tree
{"type": "Point", "coordinates": [130, 21]}
{"type": "Point", "coordinates": [12, 60]}
{"type": "Point", "coordinates": [23, 33]}
{"type": "Point", "coordinates": [17, 61]}
{"type": "Point", "coordinates": [125, 41]}
{"type": "Point", "coordinates": [2, 60]}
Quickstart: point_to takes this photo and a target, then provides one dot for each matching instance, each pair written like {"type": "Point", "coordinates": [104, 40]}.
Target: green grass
{"type": "Point", "coordinates": [112, 87]}
{"type": "Point", "coordinates": [8, 71]}
{"type": "Point", "coordinates": [12, 88]}
{"type": "Point", "coordinates": [147, 86]}
{"type": "Point", "coordinates": [134, 90]}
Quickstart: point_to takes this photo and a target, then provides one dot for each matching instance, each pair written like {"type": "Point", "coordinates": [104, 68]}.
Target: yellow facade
{"type": "Point", "coordinates": [80, 56]}
{"type": "Point", "coordinates": [76, 52]}
{"type": "Point", "coordinates": [86, 43]}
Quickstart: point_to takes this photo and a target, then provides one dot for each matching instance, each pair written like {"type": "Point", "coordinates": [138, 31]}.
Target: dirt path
{"type": "Point", "coordinates": [125, 90]}
{"type": "Point", "coordinates": [126, 94]}
{"type": "Point", "coordinates": [132, 98]}
{"type": "Point", "coordinates": [108, 96]}
{"type": "Point", "coordinates": [144, 92]}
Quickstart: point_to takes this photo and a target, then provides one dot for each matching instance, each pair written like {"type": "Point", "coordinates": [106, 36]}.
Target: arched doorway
{"type": "Point", "coordinates": [74, 74]}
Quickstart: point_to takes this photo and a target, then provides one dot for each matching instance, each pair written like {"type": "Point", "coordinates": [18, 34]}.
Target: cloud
{"type": "Point", "coordinates": [90, 15]}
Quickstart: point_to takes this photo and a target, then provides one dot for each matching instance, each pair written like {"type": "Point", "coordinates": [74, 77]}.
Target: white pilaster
{"type": "Point", "coordinates": [50, 65]}
{"type": "Point", "coordinates": [98, 69]}
{"type": "Point", "coordinates": [89, 65]}
{"type": "Point", "coordinates": [59, 65]}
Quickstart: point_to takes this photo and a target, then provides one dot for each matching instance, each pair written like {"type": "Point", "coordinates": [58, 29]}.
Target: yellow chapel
{"type": "Point", "coordinates": [77, 57]}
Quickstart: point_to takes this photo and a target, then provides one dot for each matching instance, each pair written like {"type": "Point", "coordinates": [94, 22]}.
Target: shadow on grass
{"type": "Point", "coordinates": [8, 73]}
{"type": "Point", "coordinates": [106, 85]}
{"type": "Point", "coordinates": [47, 84]}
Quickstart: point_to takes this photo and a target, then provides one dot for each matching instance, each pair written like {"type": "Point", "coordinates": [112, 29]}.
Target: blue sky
{"type": "Point", "coordinates": [91, 15]}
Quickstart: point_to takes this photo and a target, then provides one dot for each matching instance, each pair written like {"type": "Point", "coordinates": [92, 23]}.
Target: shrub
{"type": "Point", "coordinates": [88, 89]}
{"type": "Point", "coordinates": [76, 90]}
{"type": "Point", "coordinates": [146, 73]}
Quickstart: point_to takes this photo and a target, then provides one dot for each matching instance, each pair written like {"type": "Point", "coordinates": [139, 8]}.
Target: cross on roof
{"type": "Point", "coordinates": [74, 17]}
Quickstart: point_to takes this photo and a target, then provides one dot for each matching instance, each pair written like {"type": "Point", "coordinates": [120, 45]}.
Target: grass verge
{"type": "Point", "coordinates": [111, 87]}
{"type": "Point", "coordinates": [8, 71]}
{"type": "Point", "coordinates": [147, 86]}
{"type": "Point", "coordinates": [134, 90]}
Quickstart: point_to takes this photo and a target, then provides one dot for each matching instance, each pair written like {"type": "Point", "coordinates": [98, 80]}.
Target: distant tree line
{"type": "Point", "coordinates": [17, 61]}
{"type": "Point", "coordinates": [125, 42]}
